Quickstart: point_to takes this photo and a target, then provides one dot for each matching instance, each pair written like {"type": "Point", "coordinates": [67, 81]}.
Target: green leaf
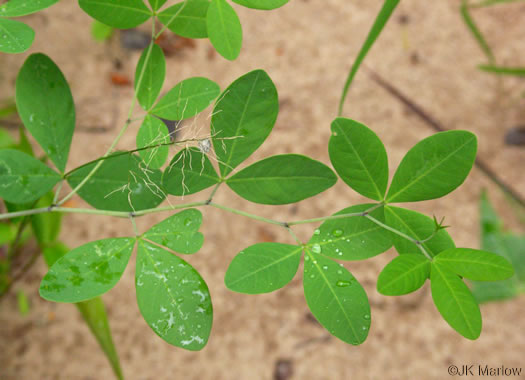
{"type": "Point", "coordinates": [15, 36]}
{"type": "Point", "coordinates": [405, 274]}
{"type": "Point", "coordinates": [262, 4]}
{"type": "Point", "coordinates": [23, 303]}
{"type": "Point", "coordinates": [157, 4]}
{"type": "Point", "coordinates": [455, 302]}
{"type": "Point", "coordinates": [351, 238]}
{"type": "Point", "coordinates": [101, 32]}
{"type": "Point", "coordinates": [263, 268]}
{"type": "Point", "coordinates": [122, 14]}
{"type": "Point", "coordinates": [475, 264]}
{"type": "Point", "coordinates": [180, 312]}
{"type": "Point", "coordinates": [94, 314]}
{"type": "Point", "coordinates": [189, 172]}
{"type": "Point", "coordinates": [501, 70]}
{"type": "Point", "coordinates": [382, 18]}
{"type": "Point", "coordinates": [153, 72]}
{"type": "Point", "coordinates": [92, 311]}
{"type": "Point", "coordinates": [122, 183]}
{"type": "Point", "coordinates": [16, 8]}
{"type": "Point", "coordinates": [153, 132]}
{"type": "Point", "coordinates": [336, 299]}
{"type": "Point", "coordinates": [359, 157]}
{"type": "Point", "coordinates": [7, 233]}
{"type": "Point", "coordinates": [224, 29]}
{"type": "Point", "coordinates": [179, 232]}
{"type": "Point", "coordinates": [506, 244]}
{"type": "Point", "coordinates": [87, 271]}
{"type": "Point", "coordinates": [282, 179]}
{"type": "Point", "coordinates": [243, 118]}
{"type": "Point", "coordinates": [23, 178]}
{"type": "Point", "coordinates": [187, 99]}
{"type": "Point", "coordinates": [187, 18]}
{"type": "Point", "coordinates": [474, 30]}
{"type": "Point", "coordinates": [6, 141]}
{"type": "Point", "coordinates": [419, 227]}
{"type": "Point", "coordinates": [434, 167]}
{"type": "Point", "coordinates": [46, 107]}
{"type": "Point", "coordinates": [53, 252]}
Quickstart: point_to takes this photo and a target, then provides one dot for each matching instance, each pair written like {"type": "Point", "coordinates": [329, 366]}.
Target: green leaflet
{"type": "Point", "coordinates": [243, 118]}
{"type": "Point", "coordinates": [187, 19]}
{"type": "Point", "coordinates": [262, 4]}
{"type": "Point", "coordinates": [224, 29]}
{"type": "Point", "coordinates": [87, 271]}
{"type": "Point", "coordinates": [156, 4]}
{"type": "Point", "coordinates": [46, 107]}
{"type": "Point", "coordinates": [23, 303]}
{"type": "Point", "coordinates": [382, 18]}
{"type": "Point", "coordinates": [336, 299]}
{"type": "Point", "coordinates": [154, 73]}
{"type": "Point", "coordinates": [122, 183]}
{"type": "Point", "coordinates": [418, 226]}
{"type": "Point", "coordinates": [16, 8]}
{"type": "Point", "coordinates": [263, 268]}
{"type": "Point", "coordinates": [189, 172]}
{"type": "Point", "coordinates": [121, 14]}
{"type": "Point", "coordinates": [510, 246]}
{"type": "Point", "coordinates": [152, 133]}
{"type": "Point", "coordinates": [187, 99]}
{"type": "Point", "coordinates": [180, 312]}
{"type": "Point", "coordinates": [475, 264]}
{"type": "Point", "coordinates": [179, 232]}
{"type": "Point", "coordinates": [6, 141]}
{"type": "Point", "coordinates": [359, 157]}
{"type": "Point", "coordinates": [500, 70]}
{"type": "Point", "coordinates": [282, 179]}
{"type": "Point", "coordinates": [405, 274]}
{"type": "Point", "coordinates": [351, 238]}
{"type": "Point", "coordinates": [434, 167]}
{"type": "Point", "coordinates": [101, 32]}
{"type": "Point", "coordinates": [24, 178]}
{"type": "Point", "coordinates": [455, 302]}
{"type": "Point", "coordinates": [93, 312]}
{"type": "Point", "coordinates": [15, 36]}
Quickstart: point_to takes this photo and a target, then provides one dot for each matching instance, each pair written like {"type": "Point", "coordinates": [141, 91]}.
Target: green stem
{"type": "Point", "coordinates": [247, 214]}
{"type": "Point", "coordinates": [208, 202]}
{"type": "Point", "coordinates": [403, 235]}
{"type": "Point", "coordinates": [170, 21]}
{"type": "Point", "coordinates": [339, 216]}
{"type": "Point", "coordinates": [122, 131]}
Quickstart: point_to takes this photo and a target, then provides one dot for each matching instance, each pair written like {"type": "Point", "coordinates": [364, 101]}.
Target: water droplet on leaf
{"type": "Point", "coordinates": [316, 248]}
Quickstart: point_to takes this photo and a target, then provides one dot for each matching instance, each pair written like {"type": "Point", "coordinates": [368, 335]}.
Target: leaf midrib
{"type": "Point", "coordinates": [453, 293]}
{"type": "Point", "coordinates": [376, 188]}
{"type": "Point", "coordinates": [327, 283]}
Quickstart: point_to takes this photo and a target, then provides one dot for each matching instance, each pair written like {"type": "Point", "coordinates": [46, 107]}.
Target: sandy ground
{"type": "Point", "coordinates": [307, 48]}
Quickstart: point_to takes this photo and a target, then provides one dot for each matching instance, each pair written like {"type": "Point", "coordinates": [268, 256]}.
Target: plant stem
{"type": "Point", "coordinates": [331, 217]}
{"type": "Point", "coordinates": [155, 36]}
{"type": "Point", "coordinates": [122, 131]}
{"type": "Point", "coordinates": [248, 215]}
{"type": "Point", "coordinates": [403, 235]}
{"type": "Point", "coordinates": [287, 225]}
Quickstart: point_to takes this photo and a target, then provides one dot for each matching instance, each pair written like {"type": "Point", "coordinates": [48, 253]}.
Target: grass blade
{"type": "Point", "coordinates": [476, 32]}
{"type": "Point", "coordinates": [379, 24]}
